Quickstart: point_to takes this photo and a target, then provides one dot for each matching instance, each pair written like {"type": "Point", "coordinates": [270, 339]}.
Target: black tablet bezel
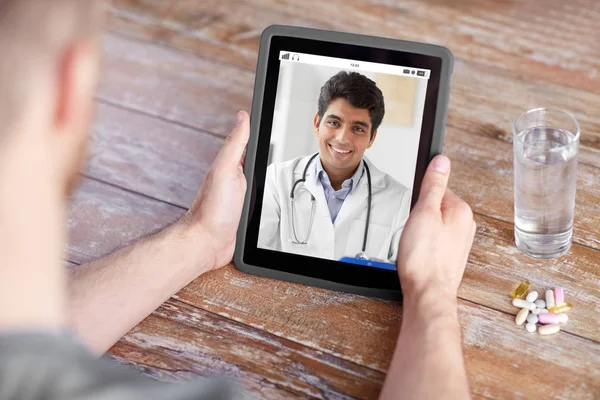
{"type": "Point", "coordinates": [310, 270]}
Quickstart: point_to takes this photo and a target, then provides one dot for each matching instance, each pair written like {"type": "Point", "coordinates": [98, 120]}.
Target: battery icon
{"type": "Point", "coordinates": [420, 73]}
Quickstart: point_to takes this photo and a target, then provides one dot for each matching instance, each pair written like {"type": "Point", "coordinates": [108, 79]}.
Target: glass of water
{"type": "Point", "coordinates": [546, 145]}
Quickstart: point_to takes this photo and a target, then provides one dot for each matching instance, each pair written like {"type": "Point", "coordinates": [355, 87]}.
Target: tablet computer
{"type": "Point", "coordinates": [343, 127]}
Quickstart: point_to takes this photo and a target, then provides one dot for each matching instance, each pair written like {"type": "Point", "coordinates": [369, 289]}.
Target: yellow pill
{"type": "Point", "coordinates": [561, 308]}
{"type": "Point", "coordinates": [521, 291]}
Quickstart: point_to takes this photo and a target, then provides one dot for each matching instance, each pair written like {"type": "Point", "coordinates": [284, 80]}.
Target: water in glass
{"type": "Point", "coordinates": [545, 178]}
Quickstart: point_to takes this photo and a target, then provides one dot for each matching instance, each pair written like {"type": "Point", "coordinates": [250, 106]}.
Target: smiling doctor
{"type": "Point", "coordinates": [336, 203]}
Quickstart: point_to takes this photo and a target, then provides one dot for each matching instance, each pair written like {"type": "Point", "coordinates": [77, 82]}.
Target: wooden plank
{"type": "Point", "coordinates": [181, 342]}
{"type": "Point", "coordinates": [556, 42]}
{"type": "Point", "coordinates": [103, 218]}
{"type": "Point", "coordinates": [150, 156]}
{"type": "Point", "coordinates": [173, 85]}
{"type": "Point", "coordinates": [487, 103]}
{"type": "Point", "coordinates": [223, 31]}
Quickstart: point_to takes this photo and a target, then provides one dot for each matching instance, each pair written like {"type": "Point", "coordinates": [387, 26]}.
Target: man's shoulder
{"type": "Point", "coordinates": [33, 365]}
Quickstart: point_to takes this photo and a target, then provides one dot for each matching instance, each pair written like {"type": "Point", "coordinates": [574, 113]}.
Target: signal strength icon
{"type": "Point", "coordinates": [286, 56]}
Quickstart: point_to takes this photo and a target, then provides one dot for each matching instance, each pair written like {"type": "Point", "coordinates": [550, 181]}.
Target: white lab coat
{"type": "Point", "coordinates": [389, 212]}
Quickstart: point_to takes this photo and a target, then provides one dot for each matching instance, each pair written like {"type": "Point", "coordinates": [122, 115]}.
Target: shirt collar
{"type": "Point", "coordinates": [353, 181]}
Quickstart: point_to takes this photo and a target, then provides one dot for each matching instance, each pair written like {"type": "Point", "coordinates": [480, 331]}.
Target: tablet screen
{"type": "Point", "coordinates": [342, 158]}
{"type": "Point", "coordinates": [345, 135]}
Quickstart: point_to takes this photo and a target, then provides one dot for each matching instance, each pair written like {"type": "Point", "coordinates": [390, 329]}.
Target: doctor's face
{"type": "Point", "coordinates": [344, 134]}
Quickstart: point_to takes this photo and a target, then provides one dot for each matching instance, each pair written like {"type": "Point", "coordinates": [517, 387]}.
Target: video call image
{"type": "Point", "coordinates": [342, 158]}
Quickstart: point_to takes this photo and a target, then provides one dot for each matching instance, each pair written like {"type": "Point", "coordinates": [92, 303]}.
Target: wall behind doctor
{"type": "Point", "coordinates": [396, 146]}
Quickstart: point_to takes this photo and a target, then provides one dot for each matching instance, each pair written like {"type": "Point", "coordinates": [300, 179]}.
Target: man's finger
{"type": "Point", "coordinates": [235, 144]}
{"type": "Point", "coordinates": [435, 183]}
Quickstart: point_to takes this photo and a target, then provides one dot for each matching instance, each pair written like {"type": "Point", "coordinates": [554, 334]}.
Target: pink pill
{"type": "Point", "coordinates": [559, 295]}
{"type": "Point", "coordinates": [549, 318]}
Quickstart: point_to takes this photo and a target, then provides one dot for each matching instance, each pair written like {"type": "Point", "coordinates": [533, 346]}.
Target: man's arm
{"type": "Point", "coordinates": [110, 296]}
{"type": "Point", "coordinates": [428, 360]}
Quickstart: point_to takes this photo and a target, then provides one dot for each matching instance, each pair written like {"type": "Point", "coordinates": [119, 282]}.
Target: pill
{"type": "Point", "coordinates": [530, 327]}
{"type": "Point", "coordinates": [549, 318]}
{"type": "Point", "coordinates": [521, 316]}
{"type": "Point", "coordinates": [559, 296]}
{"type": "Point", "coordinates": [532, 296]}
{"type": "Point", "coordinates": [561, 308]}
{"type": "Point", "coordinates": [537, 311]}
{"type": "Point", "coordinates": [544, 310]}
{"type": "Point", "coordinates": [520, 291]}
{"type": "Point", "coordinates": [532, 318]}
{"type": "Point", "coordinates": [523, 304]}
{"type": "Point", "coordinates": [563, 318]}
{"type": "Point", "coordinates": [549, 298]}
{"type": "Point", "coordinates": [539, 303]}
{"type": "Point", "coordinates": [548, 329]}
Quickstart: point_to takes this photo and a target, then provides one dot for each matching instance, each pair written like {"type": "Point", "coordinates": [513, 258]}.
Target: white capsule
{"type": "Point", "coordinates": [531, 327]}
{"type": "Point", "coordinates": [548, 329]}
{"type": "Point", "coordinates": [523, 304]}
{"type": "Point", "coordinates": [521, 316]}
{"type": "Point", "coordinates": [537, 311]}
{"type": "Point", "coordinates": [549, 298]}
{"type": "Point", "coordinates": [539, 303]}
{"type": "Point", "coordinates": [532, 296]}
{"type": "Point", "coordinates": [544, 311]}
{"type": "Point", "coordinates": [563, 318]}
{"type": "Point", "coordinates": [532, 318]}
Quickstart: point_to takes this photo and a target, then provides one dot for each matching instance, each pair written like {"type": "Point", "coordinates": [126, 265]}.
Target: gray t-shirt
{"type": "Point", "coordinates": [38, 366]}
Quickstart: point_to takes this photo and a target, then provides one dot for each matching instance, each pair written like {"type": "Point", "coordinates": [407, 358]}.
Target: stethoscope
{"type": "Point", "coordinates": [362, 255]}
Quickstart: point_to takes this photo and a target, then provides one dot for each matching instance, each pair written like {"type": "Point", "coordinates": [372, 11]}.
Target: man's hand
{"type": "Point", "coordinates": [215, 213]}
{"type": "Point", "coordinates": [437, 238]}
{"type": "Point", "coordinates": [428, 361]}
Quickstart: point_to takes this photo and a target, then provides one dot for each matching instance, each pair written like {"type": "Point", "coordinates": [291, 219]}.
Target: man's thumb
{"type": "Point", "coordinates": [435, 182]}
{"type": "Point", "coordinates": [235, 144]}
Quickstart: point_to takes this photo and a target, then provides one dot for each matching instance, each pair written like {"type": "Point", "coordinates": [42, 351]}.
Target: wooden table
{"type": "Point", "coordinates": [176, 71]}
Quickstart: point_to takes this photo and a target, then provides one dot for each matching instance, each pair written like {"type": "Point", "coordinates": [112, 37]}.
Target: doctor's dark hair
{"type": "Point", "coordinates": [358, 90]}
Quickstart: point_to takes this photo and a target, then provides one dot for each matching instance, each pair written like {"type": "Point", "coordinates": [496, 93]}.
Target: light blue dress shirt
{"type": "Point", "coordinates": [334, 198]}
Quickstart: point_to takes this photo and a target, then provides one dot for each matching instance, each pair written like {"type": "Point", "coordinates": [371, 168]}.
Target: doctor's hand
{"type": "Point", "coordinates": [437, 238]}
{"type": "Point", "coordinates": [215, 214]}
